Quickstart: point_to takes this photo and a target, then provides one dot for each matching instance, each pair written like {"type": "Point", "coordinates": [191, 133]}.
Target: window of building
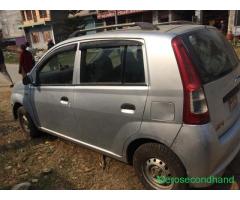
{"type": "Point", "coordinates": [46, 36]}
{"type": "Point", "coordinates": [115, 65]}
{"type": "Point", "coordinates": [42, 13]}
{"type": "Point", "coordinates": [23, 16]}
{"type": "Point", "coordinates": [58, 69]}
{"type": "Point", "coordinates": [34, 15]}
{"type": "Point", "coordinates": [29, 14]}
{"type": "Point", "coordinates": [35, 37]}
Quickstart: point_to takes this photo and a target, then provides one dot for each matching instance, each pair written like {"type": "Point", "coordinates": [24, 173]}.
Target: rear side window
{"type": "Point", "coordinates": [212, 53]}
{"type": "Point", "coordinates": [134, 71]}
{"type": "Point", "coordinates": [101, 65]}
{"type": "Point", "coordinates": [112, 65]}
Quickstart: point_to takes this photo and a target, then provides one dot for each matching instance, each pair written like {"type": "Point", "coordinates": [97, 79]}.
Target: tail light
{"type": "Point", "coordinates": [195, 109]}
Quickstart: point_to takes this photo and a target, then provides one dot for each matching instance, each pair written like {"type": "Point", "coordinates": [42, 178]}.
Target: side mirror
{"type": "Point", "coordinates": [27, 80]}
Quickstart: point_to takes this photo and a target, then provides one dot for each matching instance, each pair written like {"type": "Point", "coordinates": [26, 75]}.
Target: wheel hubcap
{"type": "Point", "coordinates": [153, 170]}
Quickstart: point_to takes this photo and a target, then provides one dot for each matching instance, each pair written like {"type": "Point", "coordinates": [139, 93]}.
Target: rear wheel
{"type": "Point", "coordinates": [155, 164]}
{"type": "Point", "coordinates": [26, 123]}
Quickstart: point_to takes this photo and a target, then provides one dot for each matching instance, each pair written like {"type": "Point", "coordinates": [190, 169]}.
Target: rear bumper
{"type": "Point", "coordinates": [205, 154]}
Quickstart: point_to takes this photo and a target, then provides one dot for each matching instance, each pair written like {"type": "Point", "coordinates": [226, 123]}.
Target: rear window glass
{"type": "Point", "coordinates": [212, 53]}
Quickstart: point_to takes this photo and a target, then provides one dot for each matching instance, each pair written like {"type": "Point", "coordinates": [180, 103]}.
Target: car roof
{"type": "Point", "coordinates": [135, 32]}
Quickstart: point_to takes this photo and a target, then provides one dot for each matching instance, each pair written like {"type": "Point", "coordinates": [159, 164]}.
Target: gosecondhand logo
{"type": "Point", "coordinates": [183, 180]}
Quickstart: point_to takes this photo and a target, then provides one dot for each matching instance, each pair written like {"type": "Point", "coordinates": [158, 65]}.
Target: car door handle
{"type": "Point", "coordinates": [64, 100]}
{"type": "Point", "coordinates": [128, 108]}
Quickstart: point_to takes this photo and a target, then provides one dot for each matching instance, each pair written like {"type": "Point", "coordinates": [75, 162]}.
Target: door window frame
{"type": "Point", "coordinates": [50, 55]}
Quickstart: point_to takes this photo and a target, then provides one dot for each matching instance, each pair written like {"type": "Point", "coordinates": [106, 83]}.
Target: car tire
{"type": "Point", "coordinates": [26, 123]}
{"type": "Point", "coordinates": [153, 161]}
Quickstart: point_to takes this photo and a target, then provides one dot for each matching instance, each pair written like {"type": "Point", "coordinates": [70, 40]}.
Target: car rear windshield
{"type": "Point", "coordinates": [213, 54]}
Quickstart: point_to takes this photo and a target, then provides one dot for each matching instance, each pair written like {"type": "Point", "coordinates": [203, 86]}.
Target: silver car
{"type": "Point", "coordinates": [163, 98]}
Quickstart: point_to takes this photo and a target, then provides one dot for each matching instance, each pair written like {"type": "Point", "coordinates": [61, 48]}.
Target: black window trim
{"type": "Point", "coordinates": [60, 49]}
{"type": "Point", "coordinates": [107, 44]}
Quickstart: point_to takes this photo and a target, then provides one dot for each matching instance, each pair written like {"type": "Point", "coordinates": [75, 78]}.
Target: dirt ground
{"type": "Point", "coordinates": [52, 163]}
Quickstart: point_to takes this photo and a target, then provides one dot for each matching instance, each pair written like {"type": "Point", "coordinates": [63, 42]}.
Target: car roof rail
{"type": "Point", "coordinates": [142, 25]}
{"type": "Point", "coordinates": [176, 22]}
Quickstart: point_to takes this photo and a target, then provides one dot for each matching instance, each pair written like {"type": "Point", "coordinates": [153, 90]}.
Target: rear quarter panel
{"type": "Point", "coordinates": [165, 86]}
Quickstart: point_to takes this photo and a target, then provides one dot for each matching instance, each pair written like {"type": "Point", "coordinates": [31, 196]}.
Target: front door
{"type": "Point", "coordinates": [52, 95]}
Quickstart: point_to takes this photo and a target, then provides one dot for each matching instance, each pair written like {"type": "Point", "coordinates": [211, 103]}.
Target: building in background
{"type": "Point", "coordinates": [42, 25]}
{"type": "Point", "coordinates": [214, 18]}
{"type": "Point", "coordinates": [153, 16]}
{"type": "Point", "coordinates": [9, 32]}
{"type": "Point", "coordinates": [231, 19]}
{"type": "Point", "coordinates": [111, 17]}
{"type": "Point", "coordinates": [83, 19]}
{"type": "Point", "coordinates": [39, 26]}
{"type": "Point", "coordinates": [206, 17]}
{"type": "Point", "coordinates": [234, 22]}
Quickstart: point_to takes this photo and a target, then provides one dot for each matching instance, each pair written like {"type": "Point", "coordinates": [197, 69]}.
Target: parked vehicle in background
{"type": "Point", "coordinates": [165, 99]}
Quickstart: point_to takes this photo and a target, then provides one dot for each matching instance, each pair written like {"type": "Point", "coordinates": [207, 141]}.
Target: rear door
{"type": "Point", "coordinates": [219, 71]}
{"type": "Point", "coordinates": [111, 95]}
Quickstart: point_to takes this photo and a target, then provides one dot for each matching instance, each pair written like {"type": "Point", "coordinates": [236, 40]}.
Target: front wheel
{"type": "Point", "coordinates": [155, 165]}
{"type": "Point", "coordinates": [26, 123]}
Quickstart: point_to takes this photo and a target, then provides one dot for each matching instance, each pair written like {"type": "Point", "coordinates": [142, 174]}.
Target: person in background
{"type": "Point", "coordinates": [25, 61]}
{"type": "Point", "coordinates": [3, 68]}
{"type": "Point", "coordinates": [222, 27]}
{"type": "Point", "coordinates": [50, 44]}
{"type": "Point", "coordinates": [30, 49]}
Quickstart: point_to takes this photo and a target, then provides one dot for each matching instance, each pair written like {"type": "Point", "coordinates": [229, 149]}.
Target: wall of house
{"type": "Point", "coordinates": [37, 27]}
{"type": "Point", "coordinates": [35, 17]}
{"type": "Point", "coordinates": [9, 23]}
{"type": "Point", "coordinates": [36, 35]}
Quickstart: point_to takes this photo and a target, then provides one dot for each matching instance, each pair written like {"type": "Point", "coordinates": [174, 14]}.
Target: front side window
{"type": "Point", "coordinates": [115, 64]}
{"type": "Point", "coordinates": [58, 69]}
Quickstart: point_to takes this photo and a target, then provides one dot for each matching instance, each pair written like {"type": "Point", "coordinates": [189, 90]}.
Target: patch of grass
{"type": "Point", "coordinates": [11, 57]}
